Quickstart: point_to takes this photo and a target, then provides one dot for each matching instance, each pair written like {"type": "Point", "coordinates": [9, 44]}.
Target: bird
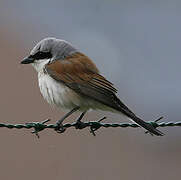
{"type": "Point", "coordinates": [71, 81]}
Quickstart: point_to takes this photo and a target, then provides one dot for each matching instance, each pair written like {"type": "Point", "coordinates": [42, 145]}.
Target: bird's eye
{"type": "Point", "coordinates": [42, 55]}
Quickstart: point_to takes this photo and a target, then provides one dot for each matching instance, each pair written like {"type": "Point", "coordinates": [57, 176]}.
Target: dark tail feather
{"type": "Point", "coordinates": [147, 126]}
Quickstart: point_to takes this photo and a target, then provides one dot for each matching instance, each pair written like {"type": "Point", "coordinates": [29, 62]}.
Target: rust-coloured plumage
{"type": "Point", "coordinates": [79, 69]}
{"type": "Point", "coordinates": [80, 74]}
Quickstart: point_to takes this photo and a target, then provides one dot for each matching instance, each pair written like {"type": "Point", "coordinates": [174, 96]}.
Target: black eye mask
{"type": "Point", "coordinates": [41, 55]}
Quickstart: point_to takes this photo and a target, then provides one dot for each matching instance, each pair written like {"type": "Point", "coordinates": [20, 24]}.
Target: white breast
{"type": "Point", "coordinates": [57, 93]}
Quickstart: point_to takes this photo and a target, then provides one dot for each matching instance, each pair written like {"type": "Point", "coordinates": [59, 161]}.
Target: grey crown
{"type": "Point", "coordinates": [57, 47]}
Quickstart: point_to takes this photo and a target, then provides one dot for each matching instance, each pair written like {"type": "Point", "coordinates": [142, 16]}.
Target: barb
{"type": "Point", "coordinates": [93, 125]}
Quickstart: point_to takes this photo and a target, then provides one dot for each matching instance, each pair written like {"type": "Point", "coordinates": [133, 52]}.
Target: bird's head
{"type": "Point", "coordinates": [48, 50]}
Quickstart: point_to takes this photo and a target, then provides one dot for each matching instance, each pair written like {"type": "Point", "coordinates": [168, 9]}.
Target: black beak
{"type": "Point", "coordinates": [27, 60]}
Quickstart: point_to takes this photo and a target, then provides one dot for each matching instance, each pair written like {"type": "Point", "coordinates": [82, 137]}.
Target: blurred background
{"type": "Point", "coordinates": [136, 45]}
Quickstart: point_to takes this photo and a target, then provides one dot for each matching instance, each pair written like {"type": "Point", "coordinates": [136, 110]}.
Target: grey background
{"type": "Point", "coordinates": [136, 45]}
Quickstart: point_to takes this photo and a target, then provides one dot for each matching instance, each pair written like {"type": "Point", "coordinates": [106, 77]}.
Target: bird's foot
{"type": "Point", "coordinates": [80, 125]}
{"type": "Point", "coordinates": [59, 124]}
{"type": "Point", "coordinates": [60, 128]}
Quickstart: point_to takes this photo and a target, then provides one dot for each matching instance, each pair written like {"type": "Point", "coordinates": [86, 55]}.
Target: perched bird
{"type": "Point", "coordinates": [70, 80]}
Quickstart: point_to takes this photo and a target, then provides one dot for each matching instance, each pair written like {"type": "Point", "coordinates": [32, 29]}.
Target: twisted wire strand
{"type": "Point", "coordinates": [93, 125]}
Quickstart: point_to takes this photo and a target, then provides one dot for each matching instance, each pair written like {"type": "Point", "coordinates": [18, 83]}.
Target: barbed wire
{"type": "Point", "coordinates": [93, 125]}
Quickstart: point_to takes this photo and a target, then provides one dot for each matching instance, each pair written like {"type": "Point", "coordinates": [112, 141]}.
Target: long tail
{"type": "Point", "coordinates": [147, 126]}
{"type": "Point", "coordinates": [126, 111]}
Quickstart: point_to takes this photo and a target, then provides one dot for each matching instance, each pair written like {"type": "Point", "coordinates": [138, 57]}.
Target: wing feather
{"type": "Point", "coordinates": [80, 74]}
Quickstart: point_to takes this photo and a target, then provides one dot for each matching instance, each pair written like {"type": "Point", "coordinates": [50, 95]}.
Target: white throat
{"type": "Point", "coordinates": [40, 64]}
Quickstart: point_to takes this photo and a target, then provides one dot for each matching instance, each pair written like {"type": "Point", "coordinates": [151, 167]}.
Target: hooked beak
{"type": "Point", "coordinates": [27, 60]}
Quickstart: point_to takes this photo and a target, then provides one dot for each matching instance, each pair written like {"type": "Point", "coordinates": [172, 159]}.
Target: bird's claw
{"type": "Point", "coordinates": [60, 128]}
{"type": "Point", "coordinates": [80, 125]}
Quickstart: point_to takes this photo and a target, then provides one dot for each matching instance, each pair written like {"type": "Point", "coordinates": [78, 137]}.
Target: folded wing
{"type": "Point", "coordinates": [80, 74]}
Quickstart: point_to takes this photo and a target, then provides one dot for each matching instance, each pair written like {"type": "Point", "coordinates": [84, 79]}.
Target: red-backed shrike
{"type": "Point", "coordinates": [70, 80]}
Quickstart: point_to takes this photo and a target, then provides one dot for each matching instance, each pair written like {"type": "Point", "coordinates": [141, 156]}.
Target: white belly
{"type": "Point", "coordinates": [57, 93]}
